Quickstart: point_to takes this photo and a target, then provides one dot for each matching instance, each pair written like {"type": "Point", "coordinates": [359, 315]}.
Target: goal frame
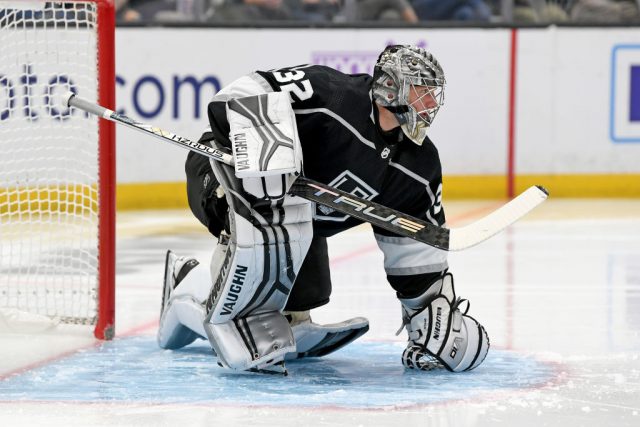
{"type": "Point", "coordinates": [105, 325]}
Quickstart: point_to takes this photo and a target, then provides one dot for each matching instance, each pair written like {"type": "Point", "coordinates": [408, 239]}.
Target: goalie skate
{"type": "Point", "coordinates": [175, 269]}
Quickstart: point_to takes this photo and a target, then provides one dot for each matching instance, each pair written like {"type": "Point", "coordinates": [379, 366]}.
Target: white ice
{"type": "Point", "coordinates": [559, 294]}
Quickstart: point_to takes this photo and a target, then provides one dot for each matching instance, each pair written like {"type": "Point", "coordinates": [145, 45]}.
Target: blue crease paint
{"type": "Point", "coordinates": [361, 375]}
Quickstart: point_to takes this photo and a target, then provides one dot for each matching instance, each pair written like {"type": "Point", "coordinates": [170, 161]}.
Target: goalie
{"type": "Point", "coordinates": [365, 135]}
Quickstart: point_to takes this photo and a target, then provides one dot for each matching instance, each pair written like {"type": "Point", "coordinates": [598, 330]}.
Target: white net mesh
{"type": "Point", "coordinates": [48, 160]}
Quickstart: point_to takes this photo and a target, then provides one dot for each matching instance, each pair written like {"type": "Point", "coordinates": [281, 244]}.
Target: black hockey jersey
{"type": "Point", "coordinates": [342, 146]}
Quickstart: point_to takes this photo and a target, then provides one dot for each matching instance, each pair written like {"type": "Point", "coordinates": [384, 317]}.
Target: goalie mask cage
{"type": "Point", "coordinates": [57, 165]}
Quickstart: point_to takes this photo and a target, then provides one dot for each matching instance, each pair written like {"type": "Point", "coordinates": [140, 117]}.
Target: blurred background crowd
{"type": "Point", "coordinates": [398, 11]}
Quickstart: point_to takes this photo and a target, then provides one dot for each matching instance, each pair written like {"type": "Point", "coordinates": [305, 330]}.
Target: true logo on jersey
{"type": "Point", "coordinates": [349, 182]}
{"type": "Point", "coordinates": [385, 152]}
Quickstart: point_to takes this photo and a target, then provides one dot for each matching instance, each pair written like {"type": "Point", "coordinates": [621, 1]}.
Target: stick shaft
{"type": "Point", "coordinates": [454, 239]}
{"type": "Point", "coordinates": [105, 113]}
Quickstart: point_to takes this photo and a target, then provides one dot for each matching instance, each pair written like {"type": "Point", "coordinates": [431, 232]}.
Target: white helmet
{"type": "Point", "coordinates": [397, 72]}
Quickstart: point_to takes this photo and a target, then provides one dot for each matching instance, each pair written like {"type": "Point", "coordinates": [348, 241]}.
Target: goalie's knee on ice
{"type": "Point", "coordinates": [255, 341]}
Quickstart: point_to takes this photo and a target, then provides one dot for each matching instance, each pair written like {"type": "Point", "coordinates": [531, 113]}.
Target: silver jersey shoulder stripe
{"type": "Point", "coordinates": [413, 175]}
{"type": "Point", "coordinates": [338, 118]}
{"type": "Point", "coordinates": [423, 181]}
{"type": "Point", "coordinates": [366, 142]}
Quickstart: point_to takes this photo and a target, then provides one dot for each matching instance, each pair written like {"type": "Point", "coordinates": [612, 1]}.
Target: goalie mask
{"type": "Point", "coordinates": [409, 82]}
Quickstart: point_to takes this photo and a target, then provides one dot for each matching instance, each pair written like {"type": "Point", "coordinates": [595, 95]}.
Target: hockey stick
{"type": "Point", "coordinates": [454, 239]}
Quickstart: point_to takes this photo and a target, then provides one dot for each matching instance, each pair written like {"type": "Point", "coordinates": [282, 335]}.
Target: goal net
{"type": "Point", "coordinates": [56, 164]}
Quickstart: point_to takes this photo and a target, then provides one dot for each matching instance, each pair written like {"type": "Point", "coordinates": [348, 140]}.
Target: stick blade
{"type": "Point", "coordinates": [479, 231]}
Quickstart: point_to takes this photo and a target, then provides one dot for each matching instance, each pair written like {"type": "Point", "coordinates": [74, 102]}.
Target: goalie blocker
{"type": "Point", "coordinates": [440, 333]}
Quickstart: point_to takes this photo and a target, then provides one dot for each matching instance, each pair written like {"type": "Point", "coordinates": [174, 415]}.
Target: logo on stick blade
{"type": "Point", "coordinates": [366, 210]}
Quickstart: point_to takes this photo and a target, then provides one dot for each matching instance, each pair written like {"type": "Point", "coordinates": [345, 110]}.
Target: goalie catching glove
{"type": "Point", "coordinates": [441, 334]}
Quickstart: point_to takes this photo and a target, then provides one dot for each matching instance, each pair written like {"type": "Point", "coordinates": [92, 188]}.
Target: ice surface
{"type": "Point", "coordinates": [362, 375]}
{"type": "Point", "coordinates": [559, 294]}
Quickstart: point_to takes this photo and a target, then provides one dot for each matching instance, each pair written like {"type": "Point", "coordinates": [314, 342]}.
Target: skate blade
{"type": "Point", "coordinates": [275, 369]}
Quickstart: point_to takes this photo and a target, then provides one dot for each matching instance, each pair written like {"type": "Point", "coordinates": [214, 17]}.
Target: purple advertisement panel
{"type": "Point", "coordinates": [634, 94]}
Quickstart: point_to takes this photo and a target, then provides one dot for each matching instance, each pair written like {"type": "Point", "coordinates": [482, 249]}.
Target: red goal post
{"type": "Point", "coordinates": [57, 179]}
{"type": "Point", "coordinates": [105, 326]}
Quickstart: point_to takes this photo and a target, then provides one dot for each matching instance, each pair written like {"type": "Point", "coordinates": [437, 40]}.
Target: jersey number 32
{"type": "Point", "coordinates": [293, 81]}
